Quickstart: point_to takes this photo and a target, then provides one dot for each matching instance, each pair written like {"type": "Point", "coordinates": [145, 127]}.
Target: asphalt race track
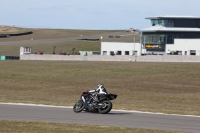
{"type": "Point", "coordinates": [129, 119]}
{"type": "Point", "coordinates": [53, 40]}
{"type": "Point", "coordinates": [44, 40]}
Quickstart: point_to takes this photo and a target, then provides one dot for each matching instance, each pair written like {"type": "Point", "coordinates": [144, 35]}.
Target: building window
{"type": "Point", "coordinates": [104, 52]}
{"type": "Point", "coordinates": [169, 23]}
{"type": "Point", "coordinates": [154, 22]}
{"type": "Point", "coordinates": [112, 53]}
{"type": "Point", "coordinates": [170, 38]}
{"type": "Point", "coordinates": [166, 23]}
{"type": "Point", "coordinates": [119, 53]}
{"type": "Point", "coordinates": [27, 50]}
{"type": "Point", "coordinates": [154, 39]}
{"type": "Point", "coordinates": [126, 52]}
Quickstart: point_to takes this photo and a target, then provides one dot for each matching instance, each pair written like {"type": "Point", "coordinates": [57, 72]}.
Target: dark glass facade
{"type": "Point", "coordinates": [156, 41]}
{"type": "Point", "coordinates": [183, 23]}
{"type": "Point", "coordinates": [168, 37]}
{"type": "Point", "coordinates": [166, 23]}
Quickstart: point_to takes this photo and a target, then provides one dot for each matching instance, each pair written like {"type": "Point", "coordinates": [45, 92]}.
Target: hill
{"type": "Point", "coordinates": [12, 30]}
{"type": "Point", "coordinates": [47, 47]}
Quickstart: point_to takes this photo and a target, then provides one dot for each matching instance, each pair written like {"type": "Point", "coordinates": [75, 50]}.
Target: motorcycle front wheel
{"type": "Point", "coordinates": [105, 108]}
{"type": "Point", "coordinates": [78, 107]}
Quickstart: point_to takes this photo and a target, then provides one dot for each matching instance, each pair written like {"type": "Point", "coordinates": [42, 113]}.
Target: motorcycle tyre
{"type": "Point", "coordinates": [80, 109]}
{"type": "Point", "coordinates": [107, 110]}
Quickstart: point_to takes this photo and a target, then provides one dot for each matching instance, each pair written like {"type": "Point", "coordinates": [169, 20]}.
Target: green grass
{"type": "Point", "coordinates": [35, 127]}
{"type": "Point", "coordinates": [156, 87]}
{"type": "Point", "coordinates": [47, 48]}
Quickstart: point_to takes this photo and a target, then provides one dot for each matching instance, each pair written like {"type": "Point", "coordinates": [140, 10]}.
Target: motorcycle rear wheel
{"type": "Point", "coordinates": [106, 108]}
{"type": "Point", "coordinates": [79, 106]}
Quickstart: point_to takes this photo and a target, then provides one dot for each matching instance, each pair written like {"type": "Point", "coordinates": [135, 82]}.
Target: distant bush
{"type": "Point", "coordinates": [77, 53]}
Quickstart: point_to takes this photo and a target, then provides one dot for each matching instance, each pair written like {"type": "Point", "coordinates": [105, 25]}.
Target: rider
{"type": "Point", "coordinates": [100, 91]}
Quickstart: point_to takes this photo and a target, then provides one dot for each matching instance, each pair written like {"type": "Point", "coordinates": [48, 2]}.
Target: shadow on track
{"type": "Point", "coordinates": [111, 113]}
{"type": "Point", "coordinates": [122, 113]}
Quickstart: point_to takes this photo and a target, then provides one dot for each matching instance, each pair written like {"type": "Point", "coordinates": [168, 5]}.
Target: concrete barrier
{"type": "Point", "coordinates": [126, 58]}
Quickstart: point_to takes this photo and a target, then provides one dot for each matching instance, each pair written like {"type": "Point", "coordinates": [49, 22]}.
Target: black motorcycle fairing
{"type": "Point", "coordinates": [107, 97]}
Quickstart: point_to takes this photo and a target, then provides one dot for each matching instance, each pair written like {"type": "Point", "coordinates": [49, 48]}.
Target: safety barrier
{"type": "Point", "coordinates": [3, 57]}
{"type": "Point", "coordinates": [129, 58]}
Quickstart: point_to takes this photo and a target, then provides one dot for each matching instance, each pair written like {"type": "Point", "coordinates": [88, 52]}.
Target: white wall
{"type": "Point", "coordinates": [127, 58]}
{"type": "Point", "coordinates": [119, 46]}
{"type": "Point", "coordinates": [184, 45]}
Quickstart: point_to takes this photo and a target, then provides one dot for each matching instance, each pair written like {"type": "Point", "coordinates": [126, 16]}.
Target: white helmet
{"type": "Point", "coordinates": [101, 89]}
{"type": "Point", "coordinates": [100, 85]}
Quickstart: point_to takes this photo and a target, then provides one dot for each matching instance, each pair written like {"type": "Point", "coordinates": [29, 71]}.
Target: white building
{"type": "Point", "coordinates": [120, 48]}
{"type": "Point", "coordinates": [185, 46]}
{"type": "Point", "coordinates": [25, 50]}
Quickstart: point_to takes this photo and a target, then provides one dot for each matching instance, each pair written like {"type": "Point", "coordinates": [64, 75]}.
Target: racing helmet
{"type": "Point", "coordinates": [100, 86]}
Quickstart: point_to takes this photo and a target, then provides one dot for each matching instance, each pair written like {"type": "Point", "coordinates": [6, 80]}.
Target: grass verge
{"type": "Point", "coordinates": [35, 127]}
{"type": "Point", "coordinates": [155, 87]}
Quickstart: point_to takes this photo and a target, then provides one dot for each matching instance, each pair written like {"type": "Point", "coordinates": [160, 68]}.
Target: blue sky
{"type": "Point", "coordinates": [91, 14]}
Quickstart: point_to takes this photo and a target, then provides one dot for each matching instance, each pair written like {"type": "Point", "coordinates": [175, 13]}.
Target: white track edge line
{"type": "Point", "coordinates": [39, 105]}
{"type": "Point", "coordinates": [131, 111]}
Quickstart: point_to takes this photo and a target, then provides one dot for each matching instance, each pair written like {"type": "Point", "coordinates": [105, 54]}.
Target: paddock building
{"type": "Point", "coordinates": [167, 35]}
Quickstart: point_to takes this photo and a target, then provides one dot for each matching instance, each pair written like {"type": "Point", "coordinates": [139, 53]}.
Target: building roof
{"type": "Point", "coordinates": [170, 29]}
{"type": "Point", "coordinates": [174, 17]}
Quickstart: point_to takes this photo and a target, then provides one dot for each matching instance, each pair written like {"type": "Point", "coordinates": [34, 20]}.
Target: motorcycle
{"type": "Point", "coordinates": [103, 105]}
